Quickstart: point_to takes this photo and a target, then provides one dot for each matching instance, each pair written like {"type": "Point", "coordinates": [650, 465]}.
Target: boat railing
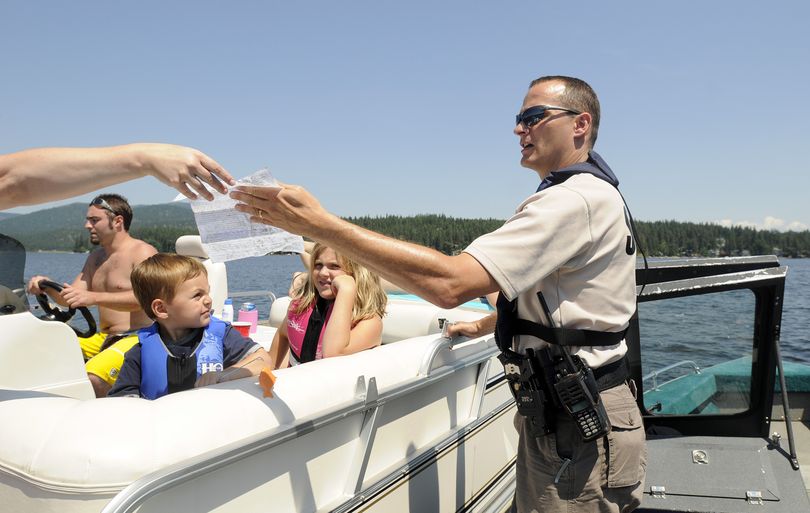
{"type": "Point", "coordinates": [654, 374]}
{"type": "Point", "coordinates": [263, 300]}
{"type": "Point", "coordinates": [253, 293]}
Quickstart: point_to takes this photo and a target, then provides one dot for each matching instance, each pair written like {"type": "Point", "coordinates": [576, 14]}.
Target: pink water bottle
{"type": "Point", "coordinates": [248, 313]}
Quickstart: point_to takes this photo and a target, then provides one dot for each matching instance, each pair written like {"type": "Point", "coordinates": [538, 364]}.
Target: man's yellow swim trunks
{"type": "Point", "coordinates": [107, 363]}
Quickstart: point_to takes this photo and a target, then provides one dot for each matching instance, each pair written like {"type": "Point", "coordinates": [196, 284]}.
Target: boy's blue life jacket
{"type": "Point", "coordinates": [155, 357]}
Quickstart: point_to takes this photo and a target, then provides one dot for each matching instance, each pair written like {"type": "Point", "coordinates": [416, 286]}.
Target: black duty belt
{"type": "Point", "coordinates": [612, 374]}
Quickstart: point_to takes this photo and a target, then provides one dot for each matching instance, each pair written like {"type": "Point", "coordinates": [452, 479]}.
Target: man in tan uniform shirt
{"type": "Point", "coordinates": [569, 240]}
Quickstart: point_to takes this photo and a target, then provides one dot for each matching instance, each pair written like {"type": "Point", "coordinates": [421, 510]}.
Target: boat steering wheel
{"type": "Point", "coordinates": [54, 313]}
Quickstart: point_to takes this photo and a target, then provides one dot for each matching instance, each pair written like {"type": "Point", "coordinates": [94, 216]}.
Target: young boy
{"type": "Point", "coordinates": [185, 347]}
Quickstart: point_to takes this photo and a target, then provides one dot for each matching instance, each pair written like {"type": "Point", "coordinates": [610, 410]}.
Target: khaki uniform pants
{"type": "Point", "coordinates": [604, 476]}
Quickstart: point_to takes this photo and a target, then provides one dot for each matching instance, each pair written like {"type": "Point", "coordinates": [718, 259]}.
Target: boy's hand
{"type": "Point", "coordinates": [209, 378]}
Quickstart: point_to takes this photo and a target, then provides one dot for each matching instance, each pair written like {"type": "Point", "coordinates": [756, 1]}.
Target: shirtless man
{"type": "Point", "coordinates": [104, 282]}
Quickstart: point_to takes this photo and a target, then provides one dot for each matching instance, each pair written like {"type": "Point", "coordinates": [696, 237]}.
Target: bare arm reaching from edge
{"type": "Point", "coordinates": [46, 174]}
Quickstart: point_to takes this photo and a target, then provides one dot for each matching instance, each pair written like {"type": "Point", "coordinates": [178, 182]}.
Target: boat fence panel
{"type": "Point", "coordinates": [678, 333]}
{"type": "Point", "coordinates": [727, 325]}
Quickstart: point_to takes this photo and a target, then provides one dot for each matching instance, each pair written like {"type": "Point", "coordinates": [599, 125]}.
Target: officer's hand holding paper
{"type": "Point", "coordinates": [228, 234]}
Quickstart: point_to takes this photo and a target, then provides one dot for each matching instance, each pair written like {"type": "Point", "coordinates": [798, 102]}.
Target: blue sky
{"type": "Point", "coordinates": [407, 107]}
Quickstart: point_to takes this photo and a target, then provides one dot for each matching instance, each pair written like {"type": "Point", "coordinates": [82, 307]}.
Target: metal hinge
{"type": "Point", "coordinates": [754, 497]}
{"type": "Point", "coordinates": [658, 492]}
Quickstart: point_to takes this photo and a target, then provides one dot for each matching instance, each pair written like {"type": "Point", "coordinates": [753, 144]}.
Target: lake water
{"type": "Point", "coordinates": [796, 313]}
{"type": "Point", "coordinates": [724, 317]}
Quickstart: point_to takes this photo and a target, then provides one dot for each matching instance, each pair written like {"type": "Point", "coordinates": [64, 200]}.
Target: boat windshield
{"type": "Point", "coordinates": [12, 268]}
{"type": "Point", "coordinates": [696, 353]}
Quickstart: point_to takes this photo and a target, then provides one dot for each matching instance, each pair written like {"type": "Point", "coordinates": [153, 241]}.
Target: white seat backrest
{"type": "Point", "coordinates": [278, 310]}
{"type": "Point", "coordinates": [43, 356]}
{"type": "Point", "coordinates": [191, 245]}
{"type": "Point", "coordinates": [407, 319]}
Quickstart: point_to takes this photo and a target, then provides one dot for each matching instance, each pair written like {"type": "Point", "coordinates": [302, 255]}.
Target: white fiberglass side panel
{"type": "Point", "coordinates": [414, 422]}
{"type": "Point", "coordinates": [303, 474]}
{"type": "Point", "coordinates": [464, 470]}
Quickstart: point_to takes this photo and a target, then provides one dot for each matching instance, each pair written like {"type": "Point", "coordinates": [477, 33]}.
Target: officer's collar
{"type": "Point", "coordinates": [595, 165]}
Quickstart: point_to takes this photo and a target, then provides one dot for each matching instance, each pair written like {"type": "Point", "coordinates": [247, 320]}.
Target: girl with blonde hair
{"type": "Point", "coordinates": [336, 311]}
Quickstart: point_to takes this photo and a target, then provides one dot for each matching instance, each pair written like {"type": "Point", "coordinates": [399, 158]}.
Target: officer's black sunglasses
{"type": "Point", "coordinates": [533, 115]}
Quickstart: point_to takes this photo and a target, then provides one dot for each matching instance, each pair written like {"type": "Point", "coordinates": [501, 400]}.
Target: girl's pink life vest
{"type": "Point", "coordinates": [297, 328]}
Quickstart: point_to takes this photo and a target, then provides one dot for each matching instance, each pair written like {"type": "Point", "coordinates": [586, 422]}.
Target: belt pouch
{"type": "Point", "coordinates": [528, 386]}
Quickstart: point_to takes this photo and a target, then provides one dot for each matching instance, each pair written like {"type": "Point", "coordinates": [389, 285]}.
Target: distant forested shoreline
{"type": "Point", "coordinates": [60, 229]}
{"type": "Point", "coordinates": [451, 235]}
{"type": "Point", "coordinates": [658, 238]}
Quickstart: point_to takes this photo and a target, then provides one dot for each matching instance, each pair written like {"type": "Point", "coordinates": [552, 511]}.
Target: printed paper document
{"type": "Point", "coordinates": [228, 234]}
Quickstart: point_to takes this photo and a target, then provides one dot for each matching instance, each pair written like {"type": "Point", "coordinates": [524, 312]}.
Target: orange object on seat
{"type": "Point", "coordinates": [267, 379]}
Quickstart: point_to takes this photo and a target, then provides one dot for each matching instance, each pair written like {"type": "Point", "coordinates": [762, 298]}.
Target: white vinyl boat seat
{"type": "Point", "coordinates": [53, 451]}
{"type": "Point", "coordinates": [51, 443]}
{"type": "Point", "coordinates": [191, 245]}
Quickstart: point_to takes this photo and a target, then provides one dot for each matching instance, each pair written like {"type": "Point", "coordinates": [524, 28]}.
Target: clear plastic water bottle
{"type": "Point", "coordinates": [227, 311]}
{"type": "Point", "coordinates": [248, 313]}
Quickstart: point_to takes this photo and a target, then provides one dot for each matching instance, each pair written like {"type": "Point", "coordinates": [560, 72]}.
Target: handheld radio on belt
{"type": "Point", "coordinates": [547, 381]}
{"type": "Point", "coordinates": [577, 392]}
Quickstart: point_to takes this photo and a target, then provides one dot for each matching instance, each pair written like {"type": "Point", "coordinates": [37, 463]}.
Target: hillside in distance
{"type": "Point", "coordinates": [62, 228]}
